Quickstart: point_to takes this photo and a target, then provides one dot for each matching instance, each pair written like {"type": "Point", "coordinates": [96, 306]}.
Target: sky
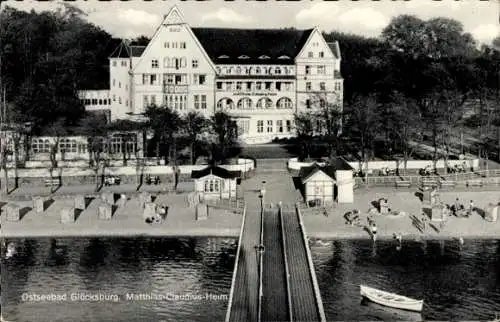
{"type": "Point", "coordinates": [365, 17]}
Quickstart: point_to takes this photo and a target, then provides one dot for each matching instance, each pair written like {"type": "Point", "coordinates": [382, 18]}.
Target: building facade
{"type": "Point", "coordinates": [261, 77]}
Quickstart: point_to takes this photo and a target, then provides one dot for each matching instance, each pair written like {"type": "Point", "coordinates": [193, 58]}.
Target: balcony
{"type": "Point", "coordinates": [175, 89]}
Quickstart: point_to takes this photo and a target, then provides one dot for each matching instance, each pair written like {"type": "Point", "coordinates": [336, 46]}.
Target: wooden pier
{"type": "Point", "coordinates": [278, 284]}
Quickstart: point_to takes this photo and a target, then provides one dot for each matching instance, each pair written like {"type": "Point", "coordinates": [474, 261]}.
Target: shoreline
{"type": "Point", "coordinates": [234, 233]}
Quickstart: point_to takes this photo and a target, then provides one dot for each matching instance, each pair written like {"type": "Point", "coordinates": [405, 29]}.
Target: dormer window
{"type": "Point", "coordinates": [223, 56]}
{"type": "Point", "coordinates": [243, 57]}
{"type": "Point", "coordinates": [264, 57]}
{"type": "Point", "coordinates": [283, 57]}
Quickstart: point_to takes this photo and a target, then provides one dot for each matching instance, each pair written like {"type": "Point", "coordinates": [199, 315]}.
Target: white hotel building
{"type": "Point", "coordinates": [261, 77]}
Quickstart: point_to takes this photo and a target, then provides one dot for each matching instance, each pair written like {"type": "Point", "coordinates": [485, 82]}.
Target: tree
{"type": "Point", "coordinates": [166, 124]}
{"type": "Point", "coordinates": [364, 122]}
{"type": "Point", "coordinates": [435, 38]}
{"type": "Point", "coordinates": [407, 125]}
{"type": "Point", "coordinates": [329, 117]}
{"type": "Point", "coordinates": [304, 128]}
{"type": "Point", "coordinates": [95, 127]}
{"type": "Point", "coordinates": [56, 130]}
{"type": "Point", "coordinates": [225, 131]}
{"type": "Point", "coordinates": [194, 125]}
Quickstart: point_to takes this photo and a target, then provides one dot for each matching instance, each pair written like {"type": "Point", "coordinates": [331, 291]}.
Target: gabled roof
{"type": "Point", "coordinates": [253, 43]}
{"type": "Point", "coordinates": [216, 171]}
{"type": "Point", "coordinates": [335, 48]}
{"type": "Point", "coordinates": [306, 172]}
{"type": "Point", "coordinates": [340, 163]}
{"type": "Point", "coordinates": [124, 50]}
{"type": "Point", "coordinates": [333, 165]}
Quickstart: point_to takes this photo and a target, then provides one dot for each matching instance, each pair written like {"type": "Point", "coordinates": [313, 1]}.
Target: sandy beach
{"type": "Point", "coordinates": [317, 225]}
{"type": "Point", "coordinates": [127, 221]}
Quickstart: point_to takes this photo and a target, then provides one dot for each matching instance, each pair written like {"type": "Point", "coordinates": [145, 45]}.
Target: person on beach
{"type": "Point", "coordinates": [471, 207]}
{"type": "Point", "coordinates": [374, 232]}
{"type": "Point", "coordinates": [457, 205]}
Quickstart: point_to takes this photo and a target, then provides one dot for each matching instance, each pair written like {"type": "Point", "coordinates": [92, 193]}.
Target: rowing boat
{"type": "Point", "coordinates": [391, 299]}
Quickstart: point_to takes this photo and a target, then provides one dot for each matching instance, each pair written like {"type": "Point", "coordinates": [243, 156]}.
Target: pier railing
{"type": "Point", "coordinates": [235, 270]}
{"type": "Point", "coordinates": [312, 273]}
{"type": "Point", "coordinates": [287, 271]}
{"type": "Point", "coordinates": [261, 263]}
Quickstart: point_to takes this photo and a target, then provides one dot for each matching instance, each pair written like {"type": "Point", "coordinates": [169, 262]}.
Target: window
{"type": "Point", "coordinates": [287, 86]}
{"type": "Point", "coordinates": [166, 45]}
{"type": "Point", "coordinates": [126, 102]}
{"type": "Point", "coordinates": [225, 103]}
{"type": "Point", "coordinates": [308, 69]}
{"type": "Point", "coordinates": [238, 70]}
{"type": "Point", "coordinates": [284, 103]}
{"type": "Point", "coordinates": [119, 100]}
{"type": "Point", "coordinates": [249, 86]}
{"type": "Point", "coordinates": [279, 126]}
{"type": "Point", "coordinates": [218, 70]}
{"type": "Point", "coordinates": [114, 98]}
{"type": "Point", "coordinates": [94, 101]}
{"type": "Point", "coordinates": [154, 63]}
{"type": "Point", "coordinates": [67, 145]}
{"type": "Point", "coordinates": [269, 126]}
{"type": "Point", "coordinates": [277, 71]}
{"type": "Point", "coordinates": [229, 86]}
{"type": "Point", "coordinates": [212, 185]}
{"type": "Point", "coordinates": [268, 86]}
{"type": "Point", "coordinates": [321, 54]}
{"type": "Point", "coordinates": [238, 86]}
{"type": "Point", "coordinates": [145, 101]}
{"type": "Point", "coordinates": [203, 101]}
{"type": "Point", "coordinates": [288, 126]}
{"type": "Point", "coordinates": [283, 57]}
{"type": "Point", "coordinates": [114, 63]}
{"type": "Point", "coordinates": [248, 70]}
{"type": "Point", "coordinates": [114, 82]}
{"type": "Point", "coordinates": [258, 86]}
{"type": "Point", "coordinates": [278, 86]}
{"type": "Point", "coordinates": [260, 126]}
{"type": "Point", "coordinates": [322, 103]}
{"type": "Point", "coordinates": [257, 70]}
{"type": "Point", "coordinates": [321, 70]}
{"type": "Point", "coordinates": [264, 57]}
{"type": "Point", "coordinates": [223, 56]}
{"type": "Point", "coordinates": [183, 62]}
{"type": "Point", "coordinates": [144, 79]}
{"type": "Point", "coordinates": [197, 102]}
{"type": "Point", "coordinates": [322, 86]}
{"type": "Point", "coordinates": [194, 63]}
{"type": "Point", "coordinates": [174, 45]}
{"type": "Point", "coordinates": [183, 45]}
{"type": "Point", "coordinates": [310, 54]}
{"type": "Point", "coordinates": [244, 103]}
{"type": "Point", "coordinates": [338, 86]}
{"type": "Point", "coordinates": [243, 57]}
{"type": "Point", "coordinates": [202, 79]}
{"type": "Point", "coordinates": [308, 103]}
{"type": "Point", "coordinates": [319, 126]}
{"type": "Point", "coordinates": [152, 79]}
{"type": "Point", "coordinates": [100, 101]}
{"type": "Point", "coordinates": [119, 84]}
{"type": "Point", "coordinates": [219, 86]}
{"type": "Point", "coordinates": [264, 103]}
{"type": "Point", "coordinates": [153, 99]}
{"type": "Point", "coordinates": [166, 62]}
{"type": "Point", "coordinates": [308, 86]}
{"type": "Point", "coordinates": [124, 63]}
